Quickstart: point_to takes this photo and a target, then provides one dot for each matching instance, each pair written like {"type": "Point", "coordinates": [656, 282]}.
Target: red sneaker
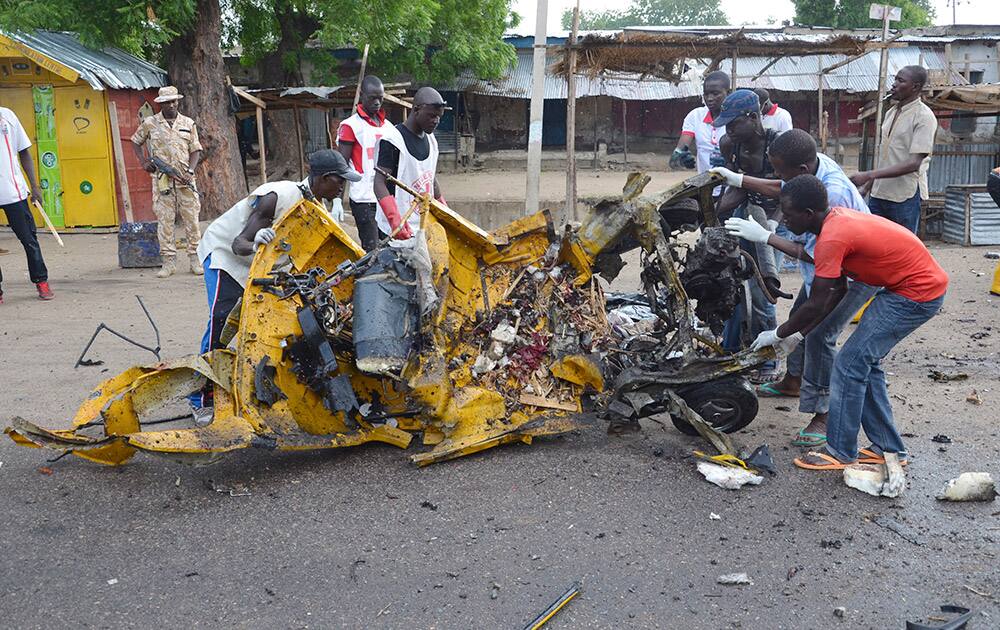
{"type": "Point", "coordinates": [44, 292]}
{"type": "Point", "coordinates": [1, 297]}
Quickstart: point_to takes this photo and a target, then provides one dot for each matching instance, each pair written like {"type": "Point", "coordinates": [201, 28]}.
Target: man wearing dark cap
{"type": "Point", "coordinates": [357, 140]}
{"type": "Point", "coordinates": [744, 147]}
{"type": "Point", "coordinates": [227, 248]}
{"type": "Point", "coordinates": [409, 151]}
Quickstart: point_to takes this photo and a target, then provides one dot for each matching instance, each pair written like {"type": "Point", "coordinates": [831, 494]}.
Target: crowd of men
{"type": "Point", "coordinates": [853, 237]}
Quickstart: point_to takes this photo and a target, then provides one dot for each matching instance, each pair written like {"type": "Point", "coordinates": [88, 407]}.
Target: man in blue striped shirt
{"type": "Point", "coordinates": [809, 367]}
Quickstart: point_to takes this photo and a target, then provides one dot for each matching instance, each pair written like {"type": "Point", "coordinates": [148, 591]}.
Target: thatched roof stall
{"type": "Point", "coordinates": [665, 55]}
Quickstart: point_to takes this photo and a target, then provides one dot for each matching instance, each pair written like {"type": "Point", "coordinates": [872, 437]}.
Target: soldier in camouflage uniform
{"type": "Point", "coordinates": [172, 138]}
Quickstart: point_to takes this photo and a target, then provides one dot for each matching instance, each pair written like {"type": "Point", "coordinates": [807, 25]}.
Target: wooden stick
{"type": "Point", "coordinates": [361, 76]}
{"type": "Point", "coordinates": [260, 141]}
{"type": "Point", "coordinates": [116, 138]}
{"type": "Point", "coordinates": [48, 222]}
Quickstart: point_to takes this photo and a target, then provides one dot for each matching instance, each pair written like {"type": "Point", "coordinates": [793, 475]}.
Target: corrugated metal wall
{"type": "Point", "coordinates": [971, 217]}
{"type": "Point", "coordinates": [956, 164]}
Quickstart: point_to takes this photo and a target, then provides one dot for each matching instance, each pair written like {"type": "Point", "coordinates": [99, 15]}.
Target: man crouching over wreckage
{"type": "Point", "coordinates": [877, 252]}
{"type": "Point", "coordinates": [228, 245]}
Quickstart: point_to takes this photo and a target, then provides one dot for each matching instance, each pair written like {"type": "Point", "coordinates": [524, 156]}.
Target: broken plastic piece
{"type": "Point", "coordinates": [735, 579]}
{"type": "Point", "coordinates": [970, 486]}
{"type": "Point", "coordinates": [728, 478]}
{"type": "Point", "coordinates": [964, 616]}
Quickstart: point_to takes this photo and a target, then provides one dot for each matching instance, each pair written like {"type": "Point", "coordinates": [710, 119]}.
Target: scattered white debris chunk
{"type": "Point", "coordinates": [970, 486]}
{"type": "Point", "coordinates": [728, 478]}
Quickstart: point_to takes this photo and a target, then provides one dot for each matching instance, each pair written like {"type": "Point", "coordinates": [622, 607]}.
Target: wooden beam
{"type": "Point", "coordinates": [571, 212]}
{"type": "Point", "coordinates": [298, 143]}
{"type": "Point", "coordinates": [260, 142]}
{"type": "Point", "coordinates": [249, 97]}
{"type": "Point", "coordinates": [398, 101]}
{"type": "Point", "coordinates": [361, 76]}
{"type": "Point", "coordinates": [116, 139]}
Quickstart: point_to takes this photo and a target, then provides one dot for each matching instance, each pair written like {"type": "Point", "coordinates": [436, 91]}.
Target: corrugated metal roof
{"type": "Point", "coordinates": [970, 217]}
{"type": "Point", "coordinates": [110, 67]}
{"type": "Point", "coordinates": [789, 74]}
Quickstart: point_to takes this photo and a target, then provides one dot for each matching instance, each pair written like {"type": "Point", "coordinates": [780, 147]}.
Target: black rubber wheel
{"type": "Point", "coordinates": [728, 404]}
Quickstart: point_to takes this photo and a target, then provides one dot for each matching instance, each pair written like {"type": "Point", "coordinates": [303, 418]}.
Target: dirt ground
{"type": "Point", "coordinates": [362, 538]}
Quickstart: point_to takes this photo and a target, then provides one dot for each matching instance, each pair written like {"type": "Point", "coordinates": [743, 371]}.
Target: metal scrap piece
{"type": "Point", "coordinates": [265, 389]}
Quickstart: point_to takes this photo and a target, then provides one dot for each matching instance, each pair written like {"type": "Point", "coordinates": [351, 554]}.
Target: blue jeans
{"type": "Point", "coordinates": [812, 360]}
{"type": "Point", "coordinates": [859, 397]}
{"type": "Point", "coordinates": [905, 213]}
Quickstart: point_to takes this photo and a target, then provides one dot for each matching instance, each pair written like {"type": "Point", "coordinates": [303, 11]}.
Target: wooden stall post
{"type": "Point", "coordinates": [260, 141]}
{"type": "Point", "coordinates": [571, 212]}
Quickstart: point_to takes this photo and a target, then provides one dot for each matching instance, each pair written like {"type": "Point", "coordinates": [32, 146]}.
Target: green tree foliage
{"type": "Point", "coordinates": [854, 13]}
{"type": "Point", "coordinates": [652, 12]}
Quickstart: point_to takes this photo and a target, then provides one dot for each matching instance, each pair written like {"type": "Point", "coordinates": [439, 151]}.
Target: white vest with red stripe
{"type": "Point", "coordinates": [367, 136]}
{"type": "Point", "coordinates": [417, 174]}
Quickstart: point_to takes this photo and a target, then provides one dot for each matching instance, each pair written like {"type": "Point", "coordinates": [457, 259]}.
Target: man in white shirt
{"type": "Point", "coordinates": [772, 116]}
{"type": "Point", "coordinates": [357, 139]}
{"type": "Point", "coordinates": [228, 246]}
{"type": "Point", "coordinates": [16, 149]}
{"type": "Point", "coordinates": [698, 131]}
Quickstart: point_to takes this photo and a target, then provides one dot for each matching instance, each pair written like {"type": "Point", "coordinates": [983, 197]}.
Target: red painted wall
{"type": "Point", "coordinates": [140, 184]}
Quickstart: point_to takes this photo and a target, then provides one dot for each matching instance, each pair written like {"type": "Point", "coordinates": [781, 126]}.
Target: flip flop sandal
{"type": "Point", "coordinates": [809, 439]}
{"type": "Point", "coordinates": [768, 390]}
{"type": "Point", "coordinates": [830, 462]}
{"type": "Point", "coordinates": [868, 456]}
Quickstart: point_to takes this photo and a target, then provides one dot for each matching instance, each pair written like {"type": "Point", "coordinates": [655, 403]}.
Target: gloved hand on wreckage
{"type": "Point", "coordinates": [732, 179]}
{"type": "Point", "coordinates": [263, 237]}
{"type": "Point", "coordinates": [391, 211]}
{"type": "Point", "coordinates": [748, 229]}
{"type": "Point", "coordinates": [783, 346]}
{"type": "Point", "coordinates": [682, 158]}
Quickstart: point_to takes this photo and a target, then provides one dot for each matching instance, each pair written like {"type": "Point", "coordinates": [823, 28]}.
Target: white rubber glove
{"type": "Point", "coordinates": [747, 229]}
{"type": "Point", "coordinates": [263, 237]}
{"type": "Point", "coordinates": [732, 179]}
{"type": "Point", "coordinates": [786, 345]}
{"type": "Point", "coordinates": [337, 210]}
{"type": "Point", "coordinates": [783, 346]}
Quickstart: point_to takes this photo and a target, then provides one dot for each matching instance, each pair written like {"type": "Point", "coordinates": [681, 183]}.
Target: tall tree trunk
{"type": "Point", "coordinates": [194, 62]}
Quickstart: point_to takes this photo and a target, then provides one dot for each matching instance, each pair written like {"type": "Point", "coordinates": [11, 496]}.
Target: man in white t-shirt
{"type": "Point", "coordinates": [772, 116]}
{"type": "Point", "coordinates": [357, 140]}
{"type": "Point", "coordinates": [16, 149]}
{"type": "Point", "coordinates": [698, 132]}
{"type": "Point", "coordinates": [228, 246]}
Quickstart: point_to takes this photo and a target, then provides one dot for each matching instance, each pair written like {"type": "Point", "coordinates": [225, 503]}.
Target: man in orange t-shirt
{"type": "Point", "coordinates": [875, 251]}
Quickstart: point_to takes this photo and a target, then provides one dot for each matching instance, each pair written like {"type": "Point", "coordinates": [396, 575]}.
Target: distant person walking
{"type": "Point", "coordinates": [899, 180]}
{"type": "Point", "coordinates": [357, 139]}
{"type": "Point", "coordinates": [15, 148]}
{"type": "Point", "coordinates": [172, 138]}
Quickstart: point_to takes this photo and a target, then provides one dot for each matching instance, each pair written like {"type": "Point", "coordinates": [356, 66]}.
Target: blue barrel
{"type": "Point", "coordinates": [385, 314]}
{"type": "Point", "coordinates": [138, 246]}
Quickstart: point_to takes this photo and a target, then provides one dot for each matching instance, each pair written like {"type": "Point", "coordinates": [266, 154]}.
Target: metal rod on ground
{"type": "Point", "coordinates": [262, 162]}
{"type": "Point", "coordinates": [571, 213]}
{"type": "Point", "coordinates": [556, 606]}
{"type": "Point", "coordinates": [883, 68]}
{"type": "Point", "coordinates": [533, 175]}
{"type": "Point", "coordinates": [116, 138]}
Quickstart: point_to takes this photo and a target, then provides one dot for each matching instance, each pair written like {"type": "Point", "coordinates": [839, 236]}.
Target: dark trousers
{"type": "Point", "coordinates": [20, 220]}
{"type": "Point", "coordinates": [364, 218]}
{"type": "Point", "coordinates": [223, 294]}
{"type": "Point", "coordinates": [905, 213]}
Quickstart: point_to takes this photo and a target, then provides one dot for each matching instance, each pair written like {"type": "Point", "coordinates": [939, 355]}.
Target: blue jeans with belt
{"type": "Point", "coordinates": [858, 393]}
{"type": "Point", "coordinates": [812, 360]}
{"type": "Point", "coordinates": [905, 213]}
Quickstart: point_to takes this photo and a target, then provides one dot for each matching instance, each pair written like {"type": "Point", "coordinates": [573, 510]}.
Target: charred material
{"type": "Point", "coordinates": [385, 314]}
{"type": "Point", "coordinates": [713, 277]}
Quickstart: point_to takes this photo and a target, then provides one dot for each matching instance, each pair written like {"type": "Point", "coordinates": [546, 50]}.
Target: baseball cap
{"type": "Point", "coordinates": [329, 161]}
{"type": "Point", "coordinates": [738, 103]}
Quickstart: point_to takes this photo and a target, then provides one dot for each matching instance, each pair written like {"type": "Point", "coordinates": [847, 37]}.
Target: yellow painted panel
{"type": "Point", "coordinates": [88, 193]}
{"type": "Point", "coordinates": [19, 101]}
{"type": "Point", "coordinates": [81, 123]}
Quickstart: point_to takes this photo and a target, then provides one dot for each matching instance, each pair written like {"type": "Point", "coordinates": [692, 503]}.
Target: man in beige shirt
{"type": "Point", "coordinates": [173, 138]}
{"type": "Point", "coordinates": [899, 180]}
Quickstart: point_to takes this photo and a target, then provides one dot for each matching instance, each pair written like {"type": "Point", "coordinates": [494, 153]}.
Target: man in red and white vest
{"type": "Point", "coordinates": [409, 151]}
{"type": "Point", "coordinates": [357, 140]}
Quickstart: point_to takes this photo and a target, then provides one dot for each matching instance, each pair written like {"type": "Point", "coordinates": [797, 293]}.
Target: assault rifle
{"type": "Point", "coordinates": [171, 172]}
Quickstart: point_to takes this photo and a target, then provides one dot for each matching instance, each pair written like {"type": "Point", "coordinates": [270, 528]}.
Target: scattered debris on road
{"type": "Point", "coordinates": [941, 439]}
{"type": "Point", "coordinates": [555, 607]}
{"type": "Point", "coordinates": [955, 623]}
{"type": "Point", "coordinates": [735, 579]}
{"type": "Point", "coordinates": [969, 486]}
{"type": "Point", "coordinates": [727, 477]}
{"type": "Point", "coordinates": [974, 398]}
{"type": "Point", "coordinates": [941, 377]}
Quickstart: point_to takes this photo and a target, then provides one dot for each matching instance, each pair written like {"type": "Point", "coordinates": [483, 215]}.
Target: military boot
{"type": "Point", "coordinates": [196, 268]}
{"type": "Point", "coordinates": [167, 269]}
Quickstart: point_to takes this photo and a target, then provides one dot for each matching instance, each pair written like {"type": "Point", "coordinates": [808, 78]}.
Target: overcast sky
{"type": "Point", "coordinates": [744, 12]}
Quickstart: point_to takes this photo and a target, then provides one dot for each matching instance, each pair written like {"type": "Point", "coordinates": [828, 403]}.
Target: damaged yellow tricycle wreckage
{"type": "Point", "coordinates": [465, 338]}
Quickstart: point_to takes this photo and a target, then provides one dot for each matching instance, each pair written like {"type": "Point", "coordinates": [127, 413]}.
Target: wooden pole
{"type": "Point", "coordinates": [836, 125]}
{"type": "Point", "coordinates": [116, 138]}
{"type": "Point", "coordinates": [260, 141]}
{"type": "Point", "coordinates": [571, 212]}
{"type": "Point", "coordinates": [882, 71]}
{"type": "Point", "coordinates": [298, 143]}
{"type": "Point", "coordinates": [625, 130]}
{"type": "Point", "coordinates": [819, 118]}
{"type": "Point", "coordinates": [595, 132]}
{"type": "Point", "coordinates": [535, 124]}
{"type": "Point", "coordinates": [361, 76]}
{"type": "Point", "coordinates": [947, 64]}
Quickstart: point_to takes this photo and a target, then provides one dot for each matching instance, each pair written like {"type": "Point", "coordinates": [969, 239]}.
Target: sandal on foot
{"type": "Point", "coordinates": [768, 390]}
{"type": "Point", "coordinates": [820, 461]}
{"type": "Point", "coordinates": [809, 440]}
{"type": "Point", "coordinates": [868, 456]}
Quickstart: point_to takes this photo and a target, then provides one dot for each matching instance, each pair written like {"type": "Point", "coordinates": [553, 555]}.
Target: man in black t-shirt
{"type": "Point", "coordinates": [410, 153]}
